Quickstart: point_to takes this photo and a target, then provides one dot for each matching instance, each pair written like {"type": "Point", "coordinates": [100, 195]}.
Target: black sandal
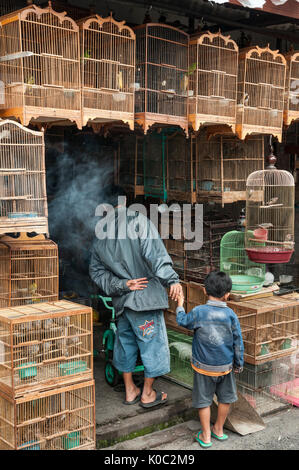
{"type": "Point", "coordinates": [158, 401]}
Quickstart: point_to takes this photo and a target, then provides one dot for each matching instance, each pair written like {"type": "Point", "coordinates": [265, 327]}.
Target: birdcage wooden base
{"type": "Point", "coordinates": [103, 116]}
{"type": "Point", "coordinates": [226, 197]}
{"type": "Point", "coordinates": [147, 120]}
{"type": "Point", "coordinates": [30, 224]}
{"type": "Point", "coordinates": [58, 419]}
{"type": "Point", "coordinates": [289, 117]}
{"type": "Point", "coordinates": [243, 130]}
{"type": "Point", "coordinates": [198, 120]}
{"type": "Point", "coordinates": [39, 116]}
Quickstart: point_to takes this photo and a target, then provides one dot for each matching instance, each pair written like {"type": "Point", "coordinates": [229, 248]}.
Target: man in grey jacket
{"type": "Point", "coordinates": [134, 270]}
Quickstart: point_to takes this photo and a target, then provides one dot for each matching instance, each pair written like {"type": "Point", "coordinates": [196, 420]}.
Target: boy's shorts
{"type": "Point", "coordinates": [205, 386]}
{"type": "Point", "coordinates": [144, 332]}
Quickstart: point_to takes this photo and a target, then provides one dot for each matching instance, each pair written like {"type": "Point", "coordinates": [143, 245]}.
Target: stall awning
{"type": "Point", "coordinates": [290, 8]}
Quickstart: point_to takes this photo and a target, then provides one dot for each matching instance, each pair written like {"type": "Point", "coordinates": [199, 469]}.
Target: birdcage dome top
{"type": "Point", "coordinates": [270, 177]}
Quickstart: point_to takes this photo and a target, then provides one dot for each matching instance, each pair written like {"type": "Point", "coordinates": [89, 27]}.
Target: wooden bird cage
{"type": "Point", "coordinates": [108, 70]}
{"type": "Point", "coordinates": [61, 419]}
{"type": "Point", "coordinates": [40, 67]}
{"type": "Point", "coordinates": [261, 88]}
{"type": "Point", "coordinates": [223, 164]}
{"type": "Point", "coordinates": [44, 345]}
{"type": "Point", "coordinates": [270, 215]}
{"type": "Point", "coordinates": [130, 164]}
{"type": "Point", "coordinates": [161, 80]}
{"type": "Point", "coordinates": [213, 72]}
{"type": "Point", "coordinates": [29, 270]}
{"type": "Point", "coordinates": [23, 197]}
{"type": "Point", "coordinates": [168, 168]}
{"type": "Point", "coordinates": [247, 277]}
{"type": "Point", "coordinates": [291, 111]}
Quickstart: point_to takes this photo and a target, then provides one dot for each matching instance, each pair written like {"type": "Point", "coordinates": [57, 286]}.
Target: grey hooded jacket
{"type": "Point", "coordinates": [140, 253]}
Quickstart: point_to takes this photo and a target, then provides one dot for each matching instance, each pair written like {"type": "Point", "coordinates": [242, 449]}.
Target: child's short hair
{"type": "Point", "coordinates": [217, 284]}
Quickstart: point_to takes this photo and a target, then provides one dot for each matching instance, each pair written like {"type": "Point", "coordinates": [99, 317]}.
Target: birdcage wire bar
{"type": "Point", "coordinates": [61, 419]}
{"type": "Point", "coordinates": [40, 66]}
{"type": "Point", "coordinates": [44, 346]}
{"type": "Point", "coordinates": [261, 88]}
{"type": "Point", "coordinates": [130, 163]}
{"type": "Point", "coordinates": [291, 111]}
{"type": "Point", "coordinates": [213, 72]}
{"type": "Point", "coordinates": [161, 81]}
{"type": "Point", "coordinates": [22, 179]}
{"type": "Point", "coordinates": [224, 163]}
{"type": "Point", "coordinates": [108, 70]}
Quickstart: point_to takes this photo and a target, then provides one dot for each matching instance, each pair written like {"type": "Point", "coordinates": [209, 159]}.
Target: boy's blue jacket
{"type": "Point", "coordinates": [217, 343]}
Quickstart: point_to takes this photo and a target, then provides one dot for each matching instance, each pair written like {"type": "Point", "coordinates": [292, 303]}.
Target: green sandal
{"type": "Point", "coordinates": [219, 438]}
{"type": "Point", "coordinates": [202, 443]}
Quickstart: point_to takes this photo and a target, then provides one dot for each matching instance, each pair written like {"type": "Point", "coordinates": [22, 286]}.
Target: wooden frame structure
{"type": "Point", "coordinates": [261, 88]}
{"type": "Point", "coordinates": [161, 88]}
{"type": "Point", "coordinates": [108, 70]}
{"type": "Point", "coordinates": [213, 72]}
{"type": "Point", "coordinates": [22, 179]}
{"type": "Point", "coordinates": [44, 346]}
{"type": "Point", "coordinates": [223, 163]}
{"type": "Point", "coordinates": [29, 270]}
{"type": "Point", "coordinates": [291, 110]}
{"type": "Point", "coordinates": [60, 419]}
{"type": "Point", "coordinates": [40, 67]}
{"type": "Point", "coordinates": [129, 163]}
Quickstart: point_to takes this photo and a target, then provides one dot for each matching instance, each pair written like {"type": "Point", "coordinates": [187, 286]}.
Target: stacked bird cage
{"type": "Point", "coordinates": [247, 277]}
{"type": "Point", "coordinates": [291, 109]}
{"type": "Point", "coordinates": [130, 163]}
{"type": "Point", "coordinates": [29, 270]}
{"type": "Point", "coordinates": [270, 215]}
{"type": "Point", "coordinates": [161, 80]}
{"type": "Point", "coordinates": [108, 70]}
{"type": "Point", "coordinates": [40, 66]}
{"type": "Point", "coordinates": [213, 71]}
{"type": "Point", "coordinates": [261, 88]}
{"type": "Point", "coordinates": [61, 419]}
{"type": "Point", "coordinates": [224, 163]}
{"type": "Point", "coordinates": [23, 195]}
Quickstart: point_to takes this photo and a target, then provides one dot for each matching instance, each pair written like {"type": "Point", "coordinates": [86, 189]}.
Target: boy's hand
{"type": "Point", "coordinates": [180, 300]}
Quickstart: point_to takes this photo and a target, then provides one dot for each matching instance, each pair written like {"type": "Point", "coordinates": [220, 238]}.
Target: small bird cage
{"type": "Point", "coordinates": [40, 66]}
{"type": "Point", "coordinates": [23, 197]}
{"type": "Point", "coordinates": [28, 270]}
{"type": "Point", "coordinates": [108, 70]}
{"type": "Point", "coordinates": [213, 72]}
{"type": "Point", "coordinates": [223, 164]}
{"type": "Point", "coordinates": [44, 344]}
{"type": "Point", "coordinates": [291, 112]}
{"type": "Point", "coordinates": [261, 87]}
{"type": "Point", "coordinates": [161, 79]}
{"type": "Point", "coordinates": [130, 163]}
{"type": "Point", "coordinates": [59, 419]}
{"type": "Point", "coordinates": [270, 215]}
{"type": "Point", "coordinates": [246, 276]}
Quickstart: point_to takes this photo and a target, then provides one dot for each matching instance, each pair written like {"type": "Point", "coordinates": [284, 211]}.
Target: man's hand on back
{"type": "Point", "coordinates": [137, 284]}
{"type": "Point", "coordinates": [175, 291]}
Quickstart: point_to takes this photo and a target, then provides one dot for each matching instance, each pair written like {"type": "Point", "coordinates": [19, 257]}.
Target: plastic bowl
{"type": "Point", "coordinates": [246, 284]}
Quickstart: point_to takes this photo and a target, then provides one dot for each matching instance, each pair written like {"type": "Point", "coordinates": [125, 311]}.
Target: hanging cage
{"type": "Point", "coordinates": [213, 71]}
{"type": "Point", "coordinates": [261, 88]}
{"type": "Point", "coordinates": [108, 70]}
{"type": "Point", "coordinates": [161, 79]}
{"type": "Point", "coordinates": [291, 112]}
{"type": "Point", "coordinates": [247, 277]}
{"type": "Point", "coordinates": [130, 163]}
{"type": "Point", "coordinates": [40, 67]}
{"type": "Point", "coordinates": [29, 270]}
{"type": "Point", "coordinates": [23, 198]}
{"type": "Point", "coordinates": [43, 345]}
{"type": "Point", "coordinates": [223, 164]}
{"type": "Point", "coordinates": [270, 200]}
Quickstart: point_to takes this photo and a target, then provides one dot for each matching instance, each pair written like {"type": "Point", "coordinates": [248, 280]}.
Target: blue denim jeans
{"type": "Point", "coordinates": [146, 332]}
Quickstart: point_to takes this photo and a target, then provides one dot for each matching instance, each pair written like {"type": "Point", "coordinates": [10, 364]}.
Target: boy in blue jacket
{"type": "Point", "coordinates": [217, 352]}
